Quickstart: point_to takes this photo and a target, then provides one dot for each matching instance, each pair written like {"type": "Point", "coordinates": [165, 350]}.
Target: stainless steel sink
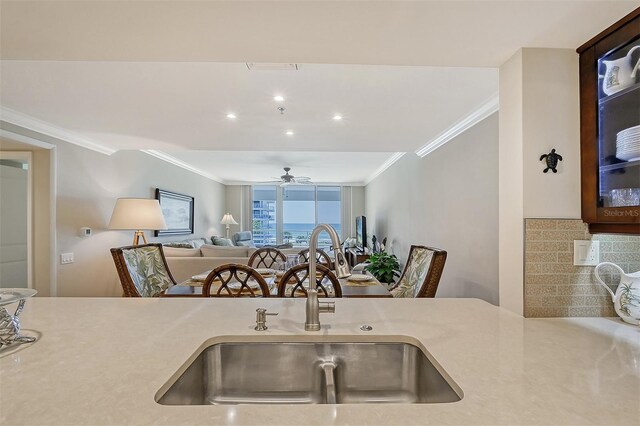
{"type": "Point", "coordinates": [309, 373]}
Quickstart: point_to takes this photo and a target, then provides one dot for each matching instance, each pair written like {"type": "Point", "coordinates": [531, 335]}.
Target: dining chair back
{"type": "Point", "coordinates": [143, 270]}
{"type": "Point", "coordinates": [235, 280]}
{"type": "Point", "coordinates": [321, 257]}
{"type": "Point", "coordinates": [422, 273]}
{"type": "Point", "coordinates": [266, 257]}
{"type": "Point", "coordinates": [294, 282]}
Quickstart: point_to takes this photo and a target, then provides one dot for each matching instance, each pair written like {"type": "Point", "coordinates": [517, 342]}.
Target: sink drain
{"type": "Point", "coordinates": [366, 328]}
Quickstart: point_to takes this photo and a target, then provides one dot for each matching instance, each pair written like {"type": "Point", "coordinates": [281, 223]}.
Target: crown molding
{"type": "Point", "coordinates": [31, 123]}
{"type": "Point", "coordinates": [483, 111]}
{"type": "Point", "coordinates": [170, 159]}
{"type": "Point", "coordinates": [25, 139]}
{"type": "Point", "coordinates": [390, 161]}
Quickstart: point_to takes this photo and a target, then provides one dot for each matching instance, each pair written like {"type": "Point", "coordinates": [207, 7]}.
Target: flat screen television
{"type": "Point", "coordinates": [361, 233]}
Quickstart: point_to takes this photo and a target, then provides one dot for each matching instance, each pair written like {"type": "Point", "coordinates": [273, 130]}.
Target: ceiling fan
{"type": "Point", "coordinates": [287, 179]}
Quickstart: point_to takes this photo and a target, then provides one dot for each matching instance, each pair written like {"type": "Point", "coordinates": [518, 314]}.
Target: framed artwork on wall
{"type": "Point", "coordinates": [177, 210]}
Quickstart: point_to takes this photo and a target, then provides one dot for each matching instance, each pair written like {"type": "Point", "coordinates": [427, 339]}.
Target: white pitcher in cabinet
{"type": "Point", "coordinates": [620, 73]}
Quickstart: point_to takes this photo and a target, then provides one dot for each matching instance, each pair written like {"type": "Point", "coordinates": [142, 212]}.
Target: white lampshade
{"type": "Point", "coordinates": [227, 219]}
{"type": "Point", "coordinates": [137, 214]}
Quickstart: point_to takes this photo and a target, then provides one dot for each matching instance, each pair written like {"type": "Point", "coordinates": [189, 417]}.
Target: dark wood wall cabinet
{"type": "Point", "coordinates": [610, 128]}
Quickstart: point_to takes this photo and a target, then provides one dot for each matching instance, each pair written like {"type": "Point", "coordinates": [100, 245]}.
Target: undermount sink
{"type": "Point", "coordinates": [269, 372]}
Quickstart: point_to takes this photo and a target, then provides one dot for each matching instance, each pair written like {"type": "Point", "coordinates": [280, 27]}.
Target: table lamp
{"type": "Point", "coordinates": [227, 219]}
{"type": "Point", "coordinates": [137, 214]}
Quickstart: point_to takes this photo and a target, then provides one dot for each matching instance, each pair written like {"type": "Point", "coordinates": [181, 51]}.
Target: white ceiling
{"type": "Point", "coordinates": [169, 106]}
{"type": "Point", "coordinates": [442, 33]}
{"type": "Point", "coordinates": [163, 75]}
{"type": "Point", "coordinates": [236, 167]}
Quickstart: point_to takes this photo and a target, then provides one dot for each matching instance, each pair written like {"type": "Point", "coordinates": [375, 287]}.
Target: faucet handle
{"type": "Point", "coordinates": [261, 318]}
{"type": "Point", "coordinates": [327, 307]}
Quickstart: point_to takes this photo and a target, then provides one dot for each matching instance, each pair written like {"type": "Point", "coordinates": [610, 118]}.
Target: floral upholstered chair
{"type": "Point", "coordinates": [143, 270]}
{"type": "Point", "coordinates": [422, 273]}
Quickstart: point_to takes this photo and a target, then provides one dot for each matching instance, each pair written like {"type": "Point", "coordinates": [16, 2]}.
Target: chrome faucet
{"type": "Point", "coordinates": [314, 308]}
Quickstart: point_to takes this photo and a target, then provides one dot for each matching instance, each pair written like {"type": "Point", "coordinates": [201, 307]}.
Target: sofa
{"type": "Point", "coordinates": [187, 262]}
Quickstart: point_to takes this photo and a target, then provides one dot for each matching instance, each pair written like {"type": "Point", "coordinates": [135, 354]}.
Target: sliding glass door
{"type": "Point", "coordinates": [287, 215]}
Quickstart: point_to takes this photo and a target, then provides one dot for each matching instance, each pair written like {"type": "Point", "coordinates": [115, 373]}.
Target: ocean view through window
{"type": "Point", "coordinates": [287, 215]}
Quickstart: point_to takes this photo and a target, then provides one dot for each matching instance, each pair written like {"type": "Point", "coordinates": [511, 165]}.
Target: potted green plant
{"type": "Point", "coordinates": [384, 266]}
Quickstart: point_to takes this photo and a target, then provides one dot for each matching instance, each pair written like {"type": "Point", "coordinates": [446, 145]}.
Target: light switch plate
{"type": "Point", "coordinates": [586, 252]}
{"type": "Point", "coordinates": [66, 258]}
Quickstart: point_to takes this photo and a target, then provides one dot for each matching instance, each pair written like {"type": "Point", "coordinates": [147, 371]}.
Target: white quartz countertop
{"type": "Point", "coordinates": [101, 362]}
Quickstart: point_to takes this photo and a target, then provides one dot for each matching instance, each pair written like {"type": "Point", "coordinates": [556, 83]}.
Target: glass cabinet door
{"type": "Point", "coordinates": [619, 130]}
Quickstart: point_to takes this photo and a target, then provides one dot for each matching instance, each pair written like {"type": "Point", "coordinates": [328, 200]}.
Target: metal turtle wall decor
{"type": "Point", "coordinates": [551, 160]}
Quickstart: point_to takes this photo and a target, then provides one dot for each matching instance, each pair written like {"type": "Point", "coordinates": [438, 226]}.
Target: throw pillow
{"type": "Point", "coordinates": [178, 245]}
{"type": "Point", "coordinates": [219, 241]}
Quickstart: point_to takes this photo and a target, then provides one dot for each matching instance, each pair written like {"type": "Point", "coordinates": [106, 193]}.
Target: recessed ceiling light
{"type": "Point", "coordinates": [337, 117]}
{"type": "Point", "coordinates": [278, 98]}
{"type": "Point", "coordinates": [231, 116]}
{"type": "Point", "coordinates": [289, 132]}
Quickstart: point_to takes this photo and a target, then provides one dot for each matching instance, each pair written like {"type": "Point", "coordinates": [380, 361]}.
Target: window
{"type": "Point", "coordinates": [302, 207]}
{"type": "Point", "coordinates": [264, 215]}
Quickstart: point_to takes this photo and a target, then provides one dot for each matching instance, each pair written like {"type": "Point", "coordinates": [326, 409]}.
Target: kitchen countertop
{"type": "Point", "coordinates": [102, 360]}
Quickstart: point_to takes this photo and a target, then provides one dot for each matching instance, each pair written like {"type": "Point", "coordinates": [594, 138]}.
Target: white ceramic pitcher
{"type": "Point", "coordinates": [626, 299]}
{"type": "Point", "coordinates": [620, 73]}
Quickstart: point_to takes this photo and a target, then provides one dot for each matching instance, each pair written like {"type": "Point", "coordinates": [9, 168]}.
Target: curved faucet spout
{"type": "Point", "coordinates": [341, 266]}
{"type": "Point", "coordinates": [313, 306]}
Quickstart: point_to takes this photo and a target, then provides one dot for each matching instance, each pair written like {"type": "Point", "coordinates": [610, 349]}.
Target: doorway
{"type": "Point", "coordinates": [15, 220]}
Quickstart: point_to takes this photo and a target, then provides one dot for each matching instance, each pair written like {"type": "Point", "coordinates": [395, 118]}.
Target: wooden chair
{"type": "Point", "coordinates": [422, 273]}
{"type": "Point", "coordinates": [143, 270]}
{"type": "Point", "coordinates": [294, 279]}
{"type": "Point", "coordinates": [321, 257]}
{"type": "Point", "coordinates": [234, 282]}
{"type": "Point", "coordinates": [266, 257]}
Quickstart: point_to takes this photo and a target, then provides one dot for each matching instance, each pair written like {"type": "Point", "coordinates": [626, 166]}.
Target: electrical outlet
{"type": "Point", "coordinates": [586, 253]}
{"type": "Point", "coordinates": [66, 258]}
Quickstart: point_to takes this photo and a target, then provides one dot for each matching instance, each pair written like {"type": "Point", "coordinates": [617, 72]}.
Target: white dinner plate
{"type": "Point", "coordinates": [265, 271]}
{"type": "Point", "coordinates": [200, 277]}
{"type": "Point", "coordinates": [628, 156]}
{"type": "Point", "coordinates": [630, 131]}
{"type": "Point", "coordinates": [236, 285]}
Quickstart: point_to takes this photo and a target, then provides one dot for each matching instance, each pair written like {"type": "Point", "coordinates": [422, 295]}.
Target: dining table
{"type": "Point", "coordinates": [192, 287]}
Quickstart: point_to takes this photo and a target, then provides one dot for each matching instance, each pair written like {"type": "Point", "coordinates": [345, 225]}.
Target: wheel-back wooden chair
{"type": "Point", "coordinates": [235, 281]}
{"type": "Point", "coordinates": [422, 273]}
{"type": "Point", "coordinates": [266, 257]}
{"type": "Point", "coordinates": [321, 257]}
{"type": "Point", "coordinates": [143, 270]}
{"type": "Point", "coordinates": [292, 283]}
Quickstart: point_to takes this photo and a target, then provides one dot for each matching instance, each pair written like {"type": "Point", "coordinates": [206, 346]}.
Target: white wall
{"type": "Point", "coordinates": [511, 187]}
{"type": "Point", "coordinates": [551, 119]}
{"type": "Point", "coordinates": [449, 200]}
{"type": "Point", "coordinates": [88, 184]}
{"type": "Point", "coordinates": [539, 110]}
